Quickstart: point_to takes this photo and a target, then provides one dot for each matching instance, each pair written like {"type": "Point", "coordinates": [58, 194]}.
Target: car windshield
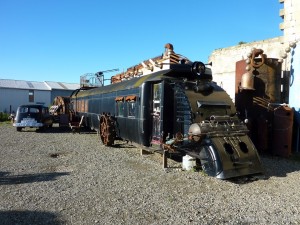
{"type": "Point", "coordinates": [29, 110]}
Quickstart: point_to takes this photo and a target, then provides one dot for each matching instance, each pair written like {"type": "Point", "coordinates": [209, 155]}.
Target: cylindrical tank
{"type": "Point", "coordinates": [282, 131]}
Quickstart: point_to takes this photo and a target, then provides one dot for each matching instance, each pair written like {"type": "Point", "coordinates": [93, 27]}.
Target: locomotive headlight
{"type": "Point", "coordinates": [195, 129]}
{"type": "Point", "coordinates": [197, 132]}
{"type": "Point", "coordinates": [198, 68]}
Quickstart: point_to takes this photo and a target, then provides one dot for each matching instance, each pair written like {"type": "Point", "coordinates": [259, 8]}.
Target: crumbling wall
{"type": "Point", "coordinates": [224, 60]}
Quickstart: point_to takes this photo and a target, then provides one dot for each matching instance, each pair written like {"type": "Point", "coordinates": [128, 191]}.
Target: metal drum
{"type": "Point", "coordinates": [282, 131]}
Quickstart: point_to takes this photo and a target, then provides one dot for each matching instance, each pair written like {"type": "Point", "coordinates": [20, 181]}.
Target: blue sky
{"type": "Point", "coordinates": [60, 40]}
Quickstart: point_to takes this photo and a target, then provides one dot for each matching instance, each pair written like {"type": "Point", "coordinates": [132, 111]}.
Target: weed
{"type": "Point", "coordinates": [4, 117]}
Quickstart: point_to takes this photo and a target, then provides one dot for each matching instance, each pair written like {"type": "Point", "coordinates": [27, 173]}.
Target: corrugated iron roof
{"type": "Point", "coordinates": [46, 85]}
{"type": "Point", "coordinates": [62, 86]}
{"type": "Point", "coordinates": [22, 84]}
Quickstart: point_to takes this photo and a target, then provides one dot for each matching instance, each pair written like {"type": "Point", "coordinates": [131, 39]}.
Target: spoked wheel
{"type": "Point", "coordinates": [107, 129]}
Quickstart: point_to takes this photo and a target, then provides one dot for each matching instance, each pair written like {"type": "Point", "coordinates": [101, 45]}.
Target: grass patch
{"type": "Point", "coordinates": [5, 123]}
{"type": "Point", "coordinates": [4, 117]}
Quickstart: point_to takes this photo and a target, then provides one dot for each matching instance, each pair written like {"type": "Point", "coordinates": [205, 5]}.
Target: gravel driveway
{"type": "Point", "coordinates": [57, 177]}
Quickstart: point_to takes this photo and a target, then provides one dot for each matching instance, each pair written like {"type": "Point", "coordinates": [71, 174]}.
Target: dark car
{"type": "Point", "coordinates": [33, 116]}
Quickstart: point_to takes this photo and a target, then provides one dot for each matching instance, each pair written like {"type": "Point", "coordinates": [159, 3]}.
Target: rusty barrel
{"type": "Point", "coordinates": [282, 131]}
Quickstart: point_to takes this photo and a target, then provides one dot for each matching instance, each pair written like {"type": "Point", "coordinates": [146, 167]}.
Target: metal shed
{"type": "Point", "coordinates": [17, 92]}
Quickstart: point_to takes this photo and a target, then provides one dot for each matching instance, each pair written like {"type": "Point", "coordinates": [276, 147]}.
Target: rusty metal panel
{"type": "Point", "coordinates": [267, 79]}
{"type": "Point", "coordinates": [258, 84]}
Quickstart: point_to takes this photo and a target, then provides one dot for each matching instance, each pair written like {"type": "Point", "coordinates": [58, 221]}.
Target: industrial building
{"type": "Point", "coordinates": [17, 92]}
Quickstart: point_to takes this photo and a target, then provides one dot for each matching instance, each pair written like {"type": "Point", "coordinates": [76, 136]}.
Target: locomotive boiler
{"type": "Point", "coordinates": [169, 103]}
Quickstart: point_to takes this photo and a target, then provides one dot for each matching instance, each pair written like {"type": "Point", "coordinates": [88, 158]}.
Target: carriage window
{"type": "Point", "coordinates": [131, 109]}
{"type": "Point", "coordinates": [119, 106]}
{"type": "Point", "coordinates": [131, 105]}
{"type": "Point", "coordinates": [156, 131]}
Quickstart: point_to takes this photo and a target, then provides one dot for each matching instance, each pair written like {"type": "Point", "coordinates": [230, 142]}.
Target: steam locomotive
{"type": "Point", "coordinates": [169, 103]}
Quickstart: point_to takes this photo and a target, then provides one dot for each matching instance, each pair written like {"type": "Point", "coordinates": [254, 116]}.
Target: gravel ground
{"type": "Point", "coordinates": [57, 177]}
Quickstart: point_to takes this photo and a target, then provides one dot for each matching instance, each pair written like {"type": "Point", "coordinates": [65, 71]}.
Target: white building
{"type": "Point", "coordinates": [17, 92]}
{"type": "Point", "coordinates": [291, 28]}
{"type": "Point", "coordinates": [285, 48]}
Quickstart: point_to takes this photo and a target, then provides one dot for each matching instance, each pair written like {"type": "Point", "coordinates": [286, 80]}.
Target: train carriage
{"type": "Point", "coordinates": [170, 103]}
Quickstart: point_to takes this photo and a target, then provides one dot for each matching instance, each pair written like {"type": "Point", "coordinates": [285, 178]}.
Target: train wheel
{"type": "Point", "coordinates": [107, 130]}
{"type": "Point", "coordinates": [209, 162]}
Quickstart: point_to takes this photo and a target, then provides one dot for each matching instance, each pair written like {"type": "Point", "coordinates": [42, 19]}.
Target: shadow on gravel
{"type": "Point", "coordinates": [65, 129]}
{"type": "Point", "coordinates": [55, 130]}
{"type": "Point", "coordinates": [6, 179]}
{"type": "Point", "coordinates": [120, 145]}
{"type": "Point", "coordinates": [274, 167]}
{"type": "Point", "coordinates": [278, 166]}
{"type": "Point", "coordinates": [45, 131]}
{"type": "Point", "coordinates": [29, 218]}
